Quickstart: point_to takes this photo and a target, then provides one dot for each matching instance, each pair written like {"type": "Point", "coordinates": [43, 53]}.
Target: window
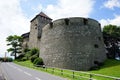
{"type": "Point", "coordinates": [35, 27]}
{"type": "Point", "coordinates": [51, 25]}
{"type": "Point", "coordinates": [35, 24]}
{"type": "Point", "coordinates": [85, 21]}
{"type": "Point", "coordinates": [67, 21]}
{"type": "Point", "coordinates": [96, 46]}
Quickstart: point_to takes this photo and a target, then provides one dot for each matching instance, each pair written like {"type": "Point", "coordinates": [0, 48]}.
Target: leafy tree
{"type": "Point", "coordinates": [15, 43]}
{"type": "Point", "coordinates": [111, 34]}
{"type": "Point", "coordinates": [112, 30]}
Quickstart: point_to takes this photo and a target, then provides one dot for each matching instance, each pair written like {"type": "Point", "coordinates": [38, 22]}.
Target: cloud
{"type": "Point", "coordinates": [115, 21]}
{"type": "Point", "coordinates": [70, 8]}
{"type": "Point", "coordinates": [12, 21]}
{"type": "Point", "coordinates": [112, 3]}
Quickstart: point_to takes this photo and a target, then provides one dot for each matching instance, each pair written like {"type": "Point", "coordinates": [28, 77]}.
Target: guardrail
{"type": "Point", "coordinates": [77, 74]}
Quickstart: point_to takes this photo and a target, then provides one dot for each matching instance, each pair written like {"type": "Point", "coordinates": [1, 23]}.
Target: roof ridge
{"type": "Point", "coordinates": [43, 15]}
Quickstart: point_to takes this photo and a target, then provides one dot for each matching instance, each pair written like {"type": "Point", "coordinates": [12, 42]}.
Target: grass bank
{"type": "Point", "coordinates": [110, 68]}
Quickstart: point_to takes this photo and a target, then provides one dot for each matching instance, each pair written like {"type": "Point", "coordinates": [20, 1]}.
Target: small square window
{"type": "Point", "coordinates": [96, 46]}
{"type": "Point", "coordinates": [35, 27]}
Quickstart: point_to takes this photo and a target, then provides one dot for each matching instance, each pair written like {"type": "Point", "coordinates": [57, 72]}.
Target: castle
{"type": "Point", "coordinates": [71, 43]}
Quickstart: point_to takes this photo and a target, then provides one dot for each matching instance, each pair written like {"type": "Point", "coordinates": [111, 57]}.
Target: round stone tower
{"type": "Point", "coordinates": [72, 43]}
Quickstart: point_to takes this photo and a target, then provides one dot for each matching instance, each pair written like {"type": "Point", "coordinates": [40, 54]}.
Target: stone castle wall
{"type": "Point", "coordinates": [36, 30]}
{"type": "Point", "coordinates": [72, 43]}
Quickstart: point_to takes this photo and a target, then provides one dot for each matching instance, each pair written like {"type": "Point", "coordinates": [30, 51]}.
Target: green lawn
{"type": "Point", "coordinates": [110, 68]}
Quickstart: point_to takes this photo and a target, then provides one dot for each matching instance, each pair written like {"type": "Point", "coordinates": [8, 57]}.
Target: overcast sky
{"type": "Point", "coordinates": [15, 15]}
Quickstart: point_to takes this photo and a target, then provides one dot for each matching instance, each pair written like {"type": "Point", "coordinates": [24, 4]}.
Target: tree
{"type": "Point", "coordinates": [112, 30]}
{"type": "Point", "coordinates": [111, 34]}
{"type": "Point", "coordinates": [15, 43]}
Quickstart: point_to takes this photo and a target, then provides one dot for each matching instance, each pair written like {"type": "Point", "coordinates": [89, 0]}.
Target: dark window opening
{"type": "Point", "coordinates": [35, 24]}
{"type": "Point", "coordinates": [39, 36]}
{"type": "Point", "coordinates": [99, 24]}
{"type": "Point", "coordinates": [96, 46]}
{"type": "Point", "coordinates": [85, 21]}
{"type": "Point", "coordinates": [51, 25]}
{"type": "Point", "coordinates": [96, 62]}
{"type": "Point", "coordinates": [67, 21]}
{"type": "Point", "coordinates": [35, 27]}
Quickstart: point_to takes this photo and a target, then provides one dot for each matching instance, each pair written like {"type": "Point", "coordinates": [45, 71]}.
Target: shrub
{"type": "Point", "coordinates": [34, 51]}
{"type": "Point", "coordinates": [38, 61]}
{"type": "Point", "coordinates": [9, 59]}
{"type": "Point", "coordinates": [27, 55]}
{"type": "Point", "coordinates": [1, 59]}
{"type": "Point", "coordinates": [33, 58]}
{"type": "Point", "coordinates": [19, 58]}
{"type": "Point", "coordinates": [24, 59]}
{"type": "Point", "coordinates": [26, 50]}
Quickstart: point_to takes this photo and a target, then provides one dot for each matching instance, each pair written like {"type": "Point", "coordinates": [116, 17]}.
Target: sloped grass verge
{"type": "Point", "coordinates": [110, 68]}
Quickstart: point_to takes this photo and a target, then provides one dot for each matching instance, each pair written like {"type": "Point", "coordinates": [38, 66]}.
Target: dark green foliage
{"type": "Point", "coordinates": [24, 59]}
{"type": "Point", "coordinates": [111, 34]}
{"type": "Point", "coordinates": [112, 30]}
{"type": "Point", "coordinates": [15, 43]}
{"type": "Point", "coordinates": [33, 58]}
{"type": "Point", "coordinates": [20, 57]}
{"type": "Point", "coordinates": [34, 51]}
{"type": "Point", "coordinates": [38, 61]}
{"type": "Point", "coordinates": [26, 50]}
{"type": "Point", "coordinates": [29, 54]}
{"type": "Point", "coordinates": [7, 59]}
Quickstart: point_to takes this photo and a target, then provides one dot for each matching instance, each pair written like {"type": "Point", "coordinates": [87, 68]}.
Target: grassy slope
{"type": "Point", "coordinates": [111, 68]}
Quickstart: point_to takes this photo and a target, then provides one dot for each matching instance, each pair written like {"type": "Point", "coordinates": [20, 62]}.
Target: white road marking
{"type": "Point", "coordinates": [37, 78]}
{"type": "Point", "coordinates": [11, 65]}
{"type": "Point", "coordinates": [19, 69]}
{"type": "Point", "coordinates": [27, 73]}
{"type": "Point", "coordinates": [14, 67]}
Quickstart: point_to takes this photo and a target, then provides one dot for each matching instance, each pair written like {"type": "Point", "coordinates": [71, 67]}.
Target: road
{"type": "Point", "coordinates": [1, 75]}
{"type": "Point", "coordinates": [13, 71]}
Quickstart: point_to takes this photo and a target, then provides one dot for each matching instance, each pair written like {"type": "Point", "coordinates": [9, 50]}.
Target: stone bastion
{"type": "Point", "coordinates": [72, 43]}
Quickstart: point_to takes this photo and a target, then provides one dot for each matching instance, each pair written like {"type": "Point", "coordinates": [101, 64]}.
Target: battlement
{"type": "Point", "coordinates": [73, 21]}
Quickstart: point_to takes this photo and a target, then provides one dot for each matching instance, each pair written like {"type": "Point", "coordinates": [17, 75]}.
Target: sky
{"type": "Point", "coordinates": [15, 15]}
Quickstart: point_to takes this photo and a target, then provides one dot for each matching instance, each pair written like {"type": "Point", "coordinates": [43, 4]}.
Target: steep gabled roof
{"type": "Point", "coordinates": [42, 15]}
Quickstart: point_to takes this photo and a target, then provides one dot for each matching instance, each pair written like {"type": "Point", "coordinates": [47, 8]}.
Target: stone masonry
{"type": "Point", "coordinates": [37, 24]}
{"type": "Point", "coordinates": [71, 43]}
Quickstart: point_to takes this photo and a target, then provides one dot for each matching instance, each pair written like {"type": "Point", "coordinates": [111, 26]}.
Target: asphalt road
{"type": "Point", "coordinates": [1, 75]}
{"type": "Point", "coordinates": [13, 71]}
